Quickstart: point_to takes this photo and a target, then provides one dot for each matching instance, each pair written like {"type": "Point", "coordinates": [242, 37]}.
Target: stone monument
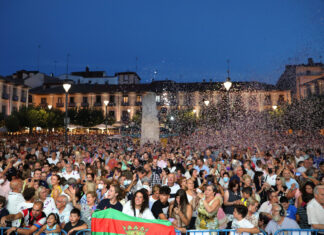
{"type": "Point", "coordinates": [150, 131]}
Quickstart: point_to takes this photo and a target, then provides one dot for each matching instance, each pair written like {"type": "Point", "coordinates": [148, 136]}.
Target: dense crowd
{"type": "Point", "coordinates": [207, 180]}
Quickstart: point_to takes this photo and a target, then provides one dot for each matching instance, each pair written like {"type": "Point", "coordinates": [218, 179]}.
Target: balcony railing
{"type": "Point", "coordinates": [84, 104]}
{"type": "Point", "coordinates": [15, 98]}
{"type": "Point", "coordinates": [125, 103]}
{"type": "Point", "coordinates": [59, 105]}
{"type": "Point", "coordinates": [44, 105]}
{"type": "Point", "coordinates": [23, 99]}
{"type": "Point", "coordinates": [5, 96]}
{"type": "Point", "coordinates": [111, 104]}
{"type": "Point", "coordinates": [97, 104]}
{"type": "Point", "coordinates": [72, 105]}
{"type": "Point", "coordinates": [138, 103]}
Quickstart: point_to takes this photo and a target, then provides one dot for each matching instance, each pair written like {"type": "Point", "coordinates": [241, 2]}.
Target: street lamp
{"type": "Point", "coordinates": [206, 102]}
{"type": "Point", "coordinates": [66, 87]}
{"type": "Point", "coordinates": [274, 107]}
{"type": "Point", "coordinates": [49, 106]}
{"type": "Point", "coordinates": [106, 102]}
{"type": "Point", "coordinates": [227, 85]}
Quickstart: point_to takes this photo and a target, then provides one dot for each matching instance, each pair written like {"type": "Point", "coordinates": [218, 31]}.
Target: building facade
{"type": "Point", "coordinates": [296, 76]}
{"type": "Point", "coordinates": [126, 100]}
{"type": "Point", "coordinates": [14, 95]}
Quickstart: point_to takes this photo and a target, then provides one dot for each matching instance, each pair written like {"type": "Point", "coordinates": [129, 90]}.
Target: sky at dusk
{"type": "Point", "coordinates": [183, 40]}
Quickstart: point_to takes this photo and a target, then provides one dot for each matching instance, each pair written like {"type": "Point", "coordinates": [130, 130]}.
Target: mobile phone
{"type": "Point", "coordinates": [298, 174]}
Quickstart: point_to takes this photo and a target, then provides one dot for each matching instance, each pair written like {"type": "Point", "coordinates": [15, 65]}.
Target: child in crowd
{"type": "Point", "coordinates": [75, 224]}
{"type": "Point", "coordinates": [240, 224]}
{"type": "Point", "coordinates": [246, 194]}
{"type": "Point", "coordinates": [52, 226]}
{"type": "Point", "coordinates": [291, 210]}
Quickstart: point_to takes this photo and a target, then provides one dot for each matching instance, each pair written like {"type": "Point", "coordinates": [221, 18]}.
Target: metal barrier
{"type": "Point", "coordinates": [299, 231]}
{"type": "Point", "coordinates": [217, 231]}
{"type": "Point", "coordinates": [83, 231]}
{"type": "Point", "coordinates": [3, 231]}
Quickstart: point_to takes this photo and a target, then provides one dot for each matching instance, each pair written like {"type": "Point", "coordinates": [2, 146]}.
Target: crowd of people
{"type": "Point", "coordinates": [197, 182]}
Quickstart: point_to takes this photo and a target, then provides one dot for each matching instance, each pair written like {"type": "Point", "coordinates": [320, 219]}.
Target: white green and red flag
{"type": "Point", "coordinates": [113, 222]}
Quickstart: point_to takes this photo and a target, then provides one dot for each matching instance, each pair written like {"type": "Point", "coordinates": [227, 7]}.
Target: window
{"type": "Point", "coordinates": [112, 99]}
{"type": "Point", "coordinates": [14, 91]}
{"type": "Point", "coordinates": [30, 98]}
{"type": "Point", "coordinates": [111, 114]}
{"type": "Point", "coordinates": [267, 100]}
{"type": "Point", "coordinates": [138, 98]}
{"type": "Point", "coordinates": [125, 116]}
{"type": "Point", "coordinates": [60, 100]}
{"type": "Point", "coordinates": [72, 100]}
{"type": "Point", "coordinates": [98, 99]}
{"type": "Point", "coordinates": [43, 101]}
{"type": "Point", "coordinates": [125, 99]}
{"type": "Point", "coordinates": [281, 100]}
{"type": "Point", "coordinates": [84, 99]}
{"type": "Point", "coordinates": [4, 88]}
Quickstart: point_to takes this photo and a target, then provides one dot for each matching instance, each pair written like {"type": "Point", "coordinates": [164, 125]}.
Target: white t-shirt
{"type": "Point", "coordinates": [315, 212]}
{"type": "Point", "coordinates": [147, 214]}
{"type": "Point", "coordinates": [64, 215]}
{"type": "Point", "coordinates": [266, 207]}
{"type": "Point", "coordinates": [151, 202]}
{"type": "Point", "coordinates": [243, 223]}
{"type": "Point", "coordinates": [49, 206]}
{"type": "Point", "coordinates": [14, 199]}
{"type": "Point", "coordinates": [51, 161]}
{"type": "Point", "coordinates": [271, 179]}
{"type": "Point", "coordinates": [25, 205]}
{"type": "Point", "coordinates": [73, 174]}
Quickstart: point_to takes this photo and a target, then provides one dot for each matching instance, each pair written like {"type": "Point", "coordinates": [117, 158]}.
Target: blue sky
{"type": "Point", "coordinates": [183, 40]}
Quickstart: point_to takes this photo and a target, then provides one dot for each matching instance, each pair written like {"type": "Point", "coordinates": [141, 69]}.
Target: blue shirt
{"type": "Point", "coordinates": [292, 181]}
{"type": "Point", "coordinates": [291, 212]}
{"type": "Point", "coordinates": [204, 167]}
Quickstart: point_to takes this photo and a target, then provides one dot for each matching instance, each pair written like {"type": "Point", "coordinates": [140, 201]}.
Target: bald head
{"type": "Point", "coordinates": [16, 185]}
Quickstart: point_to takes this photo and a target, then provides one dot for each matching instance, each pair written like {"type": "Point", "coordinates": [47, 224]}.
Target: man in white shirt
{"type": "Point", "coordinates": [240, 224]}
{"type": "Point", "coordinates": [173, 186]}
{"type": "Point", "coordinates": [70, 174]}
{"type": "Point", "coordinates": [63, 210]}
{"type": "Point", "coordinates": [315, 209]}
{"type": "Point", "coordinates": [14, 199]}
{"type": "Point", "coordinates": [53, 159]}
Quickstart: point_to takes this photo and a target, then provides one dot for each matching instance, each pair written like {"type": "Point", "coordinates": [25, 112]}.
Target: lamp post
{"type": "Point", "coordinates": [227, 85]}
{"type": "Point", "coordinates": [66, 87]}
{"type": "Point", "coordinates": [49, 106]}
{"type": "Point", "coordinates": [106, 102]}
{"type": "Point", "coordinates": [206, 102]}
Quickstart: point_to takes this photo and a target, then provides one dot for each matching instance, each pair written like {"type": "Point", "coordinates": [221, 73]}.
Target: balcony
{"type": "Point", "coordinates": [5, 96]}
{"type": "Point", "coordinates": [72, 105]}
{"type": "Point", "coordinates": [97, 104]}
{"type": "Point", "coordinates": [84, 104]}
{"type": "Point", "coordinates": [111, 104]}
{"type": "Point", "coordinates": [138, 103]}
{"type": "Point", "coordinates": [15, 98]}
{"type": "Point", "coordinates": [59, 105]}
{"type": "Point", "coordinates": [43, 105]}
{"type": "Point", "coordinates": [125, 103]}
{"type": "Point", "coordinates": [23, 99]}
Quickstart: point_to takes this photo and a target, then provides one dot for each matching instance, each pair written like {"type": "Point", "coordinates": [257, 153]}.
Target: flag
{"type": "Point", "coordinates": [114, 222]}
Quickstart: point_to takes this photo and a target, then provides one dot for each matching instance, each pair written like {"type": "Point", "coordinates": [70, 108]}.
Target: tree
{"type": "Point", "coordinates": [12, 123]}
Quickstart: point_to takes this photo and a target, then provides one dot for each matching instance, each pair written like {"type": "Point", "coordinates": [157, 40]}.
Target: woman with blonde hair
{"type": "Point", "coordinates": [87, 187]}
{"type": "Point", "coordinates": [253, 215]}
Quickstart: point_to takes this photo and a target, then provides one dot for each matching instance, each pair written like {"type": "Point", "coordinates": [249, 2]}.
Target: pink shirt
{"type": "Point", "coordinates": [5, 189]}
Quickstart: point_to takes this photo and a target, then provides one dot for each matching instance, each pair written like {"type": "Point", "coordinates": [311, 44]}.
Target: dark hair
{"type": "Point", "coordinates": [306, 197]}
{"type": "Point", "coordinates": [165, 190]}
{"type": "Point", "coordinates": [183, 200]}
{"type": "Point", "coordinates": [57, 218]}
{"type": "Point", "coordinates": [232, 184]}
{"type": "Point", "coordinates": [191, 171]}
{"type": "Point", "coordinates": [76, 211]}
{"type": "Point", "coordinates": [242, 210]}
{"type": "Point", "coordinates": [3, 201]}
{"type": "Point", "coordinates": [141, 169]}
{"type": "Point", "coordinates": [29, 193]}
{"type": "Point", "coordinates": [247, 190]}
{"type": "Point", "coordinates": [167, 171]}
{"type": "Point", "coordinates": [145, 203]}
{"type": "Point", "coordinates": [284, 199]}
